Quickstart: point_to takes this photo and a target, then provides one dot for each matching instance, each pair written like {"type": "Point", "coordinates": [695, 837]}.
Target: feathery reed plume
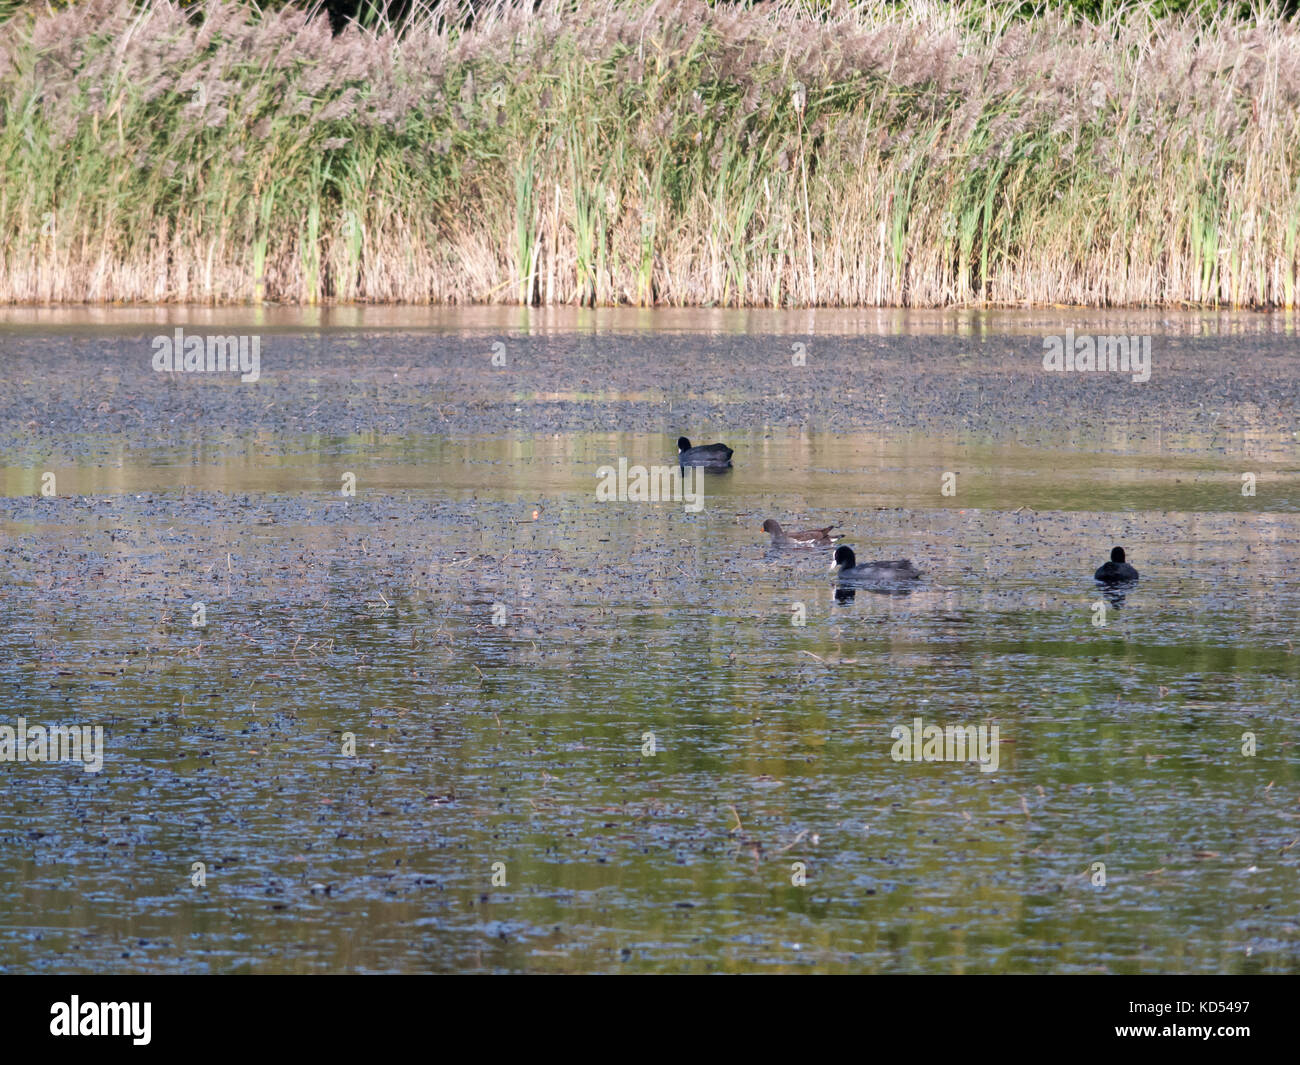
{"type": "Point", "coordinates": [651, 151]}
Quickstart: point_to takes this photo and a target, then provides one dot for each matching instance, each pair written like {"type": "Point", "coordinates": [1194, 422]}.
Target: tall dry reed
{"type": "Point", "coordinates": [657, 151]}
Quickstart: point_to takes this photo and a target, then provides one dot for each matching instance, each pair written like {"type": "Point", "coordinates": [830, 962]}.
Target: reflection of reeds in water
{"type": "Point", "coordinates": [660, 151]}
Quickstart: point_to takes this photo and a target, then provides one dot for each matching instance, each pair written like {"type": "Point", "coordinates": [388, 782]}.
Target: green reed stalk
{"type": "Point", "coordinates": [595, 151]}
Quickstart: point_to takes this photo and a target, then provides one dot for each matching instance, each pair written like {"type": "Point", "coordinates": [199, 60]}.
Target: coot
{"type": "Point", "coordinates": [1116, 570]}
{"type": "Point", "coordinates": [850, 570]}
{"type": "Point", "coordinates": [704, 455]}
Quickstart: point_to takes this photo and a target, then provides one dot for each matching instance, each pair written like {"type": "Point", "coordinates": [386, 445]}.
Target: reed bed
{"type": "Point", "coordinates": [649, 152]}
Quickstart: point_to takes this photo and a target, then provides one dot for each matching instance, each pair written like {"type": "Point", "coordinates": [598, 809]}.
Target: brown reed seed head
{"type": "Point", "coordinates": [661, 150]}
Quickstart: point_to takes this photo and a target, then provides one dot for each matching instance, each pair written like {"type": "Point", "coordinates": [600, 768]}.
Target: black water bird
{"type": "Point", "coordinates": [850, 571]}
{"type": "Point", "coordinates": [1116, 571]}
{"type": "Point", "coordinates": [717, 456]}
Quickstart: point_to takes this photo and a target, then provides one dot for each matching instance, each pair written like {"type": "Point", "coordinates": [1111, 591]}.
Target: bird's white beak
{"type": "Point", "coordinates": [834, 566]}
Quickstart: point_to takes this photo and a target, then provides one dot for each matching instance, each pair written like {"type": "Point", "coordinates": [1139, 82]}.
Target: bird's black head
{"type": "Point", "coordinates": [1117, 554]}
{"type": "Point", "coordinates": [772, 526]}
{"type": "Point", "coordinates": [844, 558]}
{"type": "Point", "coordinates": [683, 444]}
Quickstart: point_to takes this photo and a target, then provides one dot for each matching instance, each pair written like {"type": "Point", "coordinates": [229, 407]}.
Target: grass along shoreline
{"type": "Point", "coordinates": [649, 153]}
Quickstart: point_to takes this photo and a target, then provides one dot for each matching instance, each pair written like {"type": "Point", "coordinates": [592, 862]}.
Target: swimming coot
{"type": "Point", "coordinates": [803, 538]}
{"type": "Point", "coordinates": [705, 455]}
{"type": "Point", "coordinates": [850, 570]}
{"type": "Point", "coordinates": [1116, 570]}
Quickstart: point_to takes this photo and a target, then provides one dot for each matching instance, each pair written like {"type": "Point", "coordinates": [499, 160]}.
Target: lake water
{"type": "Point", "coordinates": [599, 739]}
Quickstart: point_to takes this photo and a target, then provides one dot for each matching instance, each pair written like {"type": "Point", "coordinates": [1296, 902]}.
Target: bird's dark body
{"type": "Point", "coordinates": [801, 538]}
{"type": "Point", "coordinates": [1116, 571]}
{"type": "Point", "coordinates": [715, 455]}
